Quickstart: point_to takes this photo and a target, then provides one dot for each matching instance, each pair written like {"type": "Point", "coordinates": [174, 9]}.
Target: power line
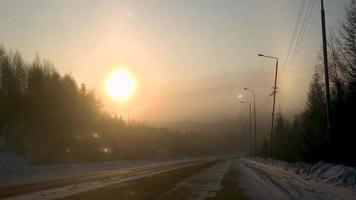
{"type": "Point", "coordinates": [296, 26]}
{"type": "Point", "coordinates": [304, 25]}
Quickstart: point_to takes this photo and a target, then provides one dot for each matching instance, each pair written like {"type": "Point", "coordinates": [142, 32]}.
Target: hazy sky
{"type": "Point", "coordinates": [191, 58]}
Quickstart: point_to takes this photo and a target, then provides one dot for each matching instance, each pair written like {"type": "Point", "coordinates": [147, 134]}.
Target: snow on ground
{"type": "Point", "coordinates": [18, 174]}
{"type": "Point", "coordinates": [10, 161]}
{"type": "Point", "coordinates": [15, 170]}
{"type": "Point", "coordinates": [337, 175]}
{"type": "Point", "coordinates": [274, 181]}
{"type": "Point", "coordinates": [73, 189]}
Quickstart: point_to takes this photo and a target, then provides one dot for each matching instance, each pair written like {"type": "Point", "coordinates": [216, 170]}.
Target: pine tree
{"type": "Point", "coordinates": [314, 122]}
{"type": "Point", "coordinates": [348, 41]}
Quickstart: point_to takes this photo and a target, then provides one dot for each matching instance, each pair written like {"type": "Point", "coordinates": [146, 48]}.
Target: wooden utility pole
{"type": "Point", "coordinates": [326, 68]}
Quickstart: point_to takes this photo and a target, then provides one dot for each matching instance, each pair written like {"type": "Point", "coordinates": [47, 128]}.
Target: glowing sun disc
{"type": "Point", "coordinates": [120, 85]}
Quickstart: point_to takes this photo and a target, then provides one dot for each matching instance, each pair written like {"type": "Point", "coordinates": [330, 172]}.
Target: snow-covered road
{"type": "Point", "coordinates": [262, 181]}
{"type": "Point", "coordinates": [60, 188]}
{"type": "Point", "coordinates": [254, 179]}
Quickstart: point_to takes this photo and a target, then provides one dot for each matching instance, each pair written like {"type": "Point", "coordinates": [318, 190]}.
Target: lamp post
{"type": "Point", "coordinates": [254, 116]}
{"type": "Point", "coordinates": [249, 132]}
{"type": "Point", "coordinates": [274, 99]}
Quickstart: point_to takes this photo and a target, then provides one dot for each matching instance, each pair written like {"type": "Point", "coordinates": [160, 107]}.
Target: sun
{"type": "Point", "coordinates": [120, 85]}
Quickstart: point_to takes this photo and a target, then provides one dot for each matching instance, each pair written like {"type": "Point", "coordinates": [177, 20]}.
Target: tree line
{"type": "Point", "coordinates": [307, 138]}
{"type": "Point", "coordinates": [49, 118]}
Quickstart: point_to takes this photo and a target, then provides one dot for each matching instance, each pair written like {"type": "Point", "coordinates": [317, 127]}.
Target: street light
{"type": "Point", "coordinates": [254, 113]}
{"type": "Point", "coordinates": [274, 98]}
{"type": "Point", "coordinates": [249, 132]}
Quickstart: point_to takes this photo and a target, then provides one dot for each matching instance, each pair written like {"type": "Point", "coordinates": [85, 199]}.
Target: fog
{"type": "Point", "coordinates": [190, 59]}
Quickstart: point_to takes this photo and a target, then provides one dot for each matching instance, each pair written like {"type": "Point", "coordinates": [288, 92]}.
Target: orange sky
{"type": "Point", "coordinates": [190, 58]}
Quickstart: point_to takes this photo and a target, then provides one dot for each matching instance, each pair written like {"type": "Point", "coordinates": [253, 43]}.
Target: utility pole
{"type": "Point", "coordinates": [250, 127]}
{"type": "Point", "coordinates": [244, 130]}
{"type": "Point", "coordinates": [326, 69]}
{"type": "Point", "coordinates": [274, 105]}
{"type": "Point", "coordinates": [254, 116]}
{"type": "Point", "coordinates": [274, 100]}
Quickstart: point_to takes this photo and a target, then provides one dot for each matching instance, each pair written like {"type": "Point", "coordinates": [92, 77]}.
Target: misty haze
{"type": "Point", "coordinates": [179, 99]}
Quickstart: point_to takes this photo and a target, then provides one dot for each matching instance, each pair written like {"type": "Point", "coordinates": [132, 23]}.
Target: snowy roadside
{"type": "Point", "coordinates": [27, 173]}
{"type": "Point", "coordinates": [73, 189]}
{"type": "Point", "coordinates": [263, 179]}
{"type": "Point", "coordinates": [336, 175]}
{"type": "Point", "coordinates": [14, 170]}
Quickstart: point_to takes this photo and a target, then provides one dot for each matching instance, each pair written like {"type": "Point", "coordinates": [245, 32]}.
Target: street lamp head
{"type": "Point", "coordinates": [262, 55]}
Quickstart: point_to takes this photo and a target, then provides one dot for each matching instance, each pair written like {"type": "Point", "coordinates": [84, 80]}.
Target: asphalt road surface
{"type": "Point", "coordinates": [147, 182]}
{"type": "Point", "coordinates": [211, 179]}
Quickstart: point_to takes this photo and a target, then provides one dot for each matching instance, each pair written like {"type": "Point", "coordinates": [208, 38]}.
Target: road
{"type": "Point", "coordinates": [218, 178]}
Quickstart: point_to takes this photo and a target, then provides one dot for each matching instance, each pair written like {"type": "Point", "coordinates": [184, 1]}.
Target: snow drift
{"type": "Point", "coordinates": [14, 169]}
{"type": "Point", "coordinates": [337, 175]}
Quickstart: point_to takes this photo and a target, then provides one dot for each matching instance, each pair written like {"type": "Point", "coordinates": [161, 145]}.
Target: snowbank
{"type": "Point", "coordinates": [9, 161]}
{"type": "Point", "coordinates": [15, 170]}
{"type": "Point", "coordinates": [337, 175]}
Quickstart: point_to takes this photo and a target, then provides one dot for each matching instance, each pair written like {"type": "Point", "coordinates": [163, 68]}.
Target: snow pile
{"type": "Point", "coordinates": [337, 175]}
{"type": "Point", "coordinates": [11, 161]}
{"type": "Point", "coordinates": [14, 170]}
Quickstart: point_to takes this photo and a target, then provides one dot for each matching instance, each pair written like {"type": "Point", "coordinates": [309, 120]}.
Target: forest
{"type": "Point", "coordinates": [49, 118]}
{"type": "Point", "coordinates": [307, 138]}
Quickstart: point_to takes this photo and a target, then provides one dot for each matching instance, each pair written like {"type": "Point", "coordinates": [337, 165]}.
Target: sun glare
{"type": "Point", "coordinates": [120, 85]}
